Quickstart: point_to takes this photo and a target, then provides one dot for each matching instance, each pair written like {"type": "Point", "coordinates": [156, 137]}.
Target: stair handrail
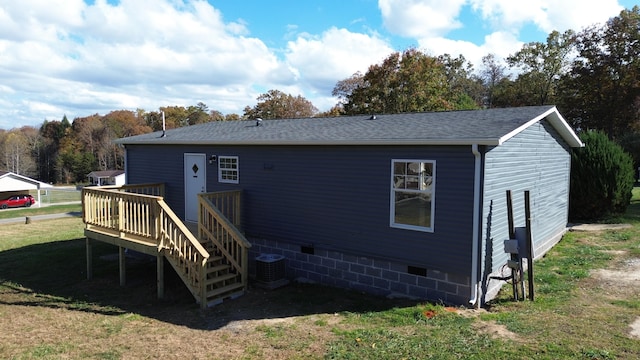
{"type": "Point", "coordinates": [173, 234]}
{"type": "Point", "coordinates": [232, 244]}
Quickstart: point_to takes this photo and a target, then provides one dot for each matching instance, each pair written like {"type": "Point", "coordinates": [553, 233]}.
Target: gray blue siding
{"type": "Point", "coordinates": [538, 160]}
{"type": "Point", "coordinates": [332, 198]}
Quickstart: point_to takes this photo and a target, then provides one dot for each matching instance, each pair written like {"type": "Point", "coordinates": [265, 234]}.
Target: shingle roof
{"type": "Point", "coordinates": [483, 127]}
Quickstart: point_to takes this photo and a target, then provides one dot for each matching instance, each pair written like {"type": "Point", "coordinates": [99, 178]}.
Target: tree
{"type": "Point", "coordinates": [232, 117]}
{"type": "Point", "coordinates": [336, 110]}
{"type": "Point", "coordinates": [52, 133]}
{"type": "Point", "coordinates": [407, 82]}
{"type": "Point", "coordinates": [344, 88]}
{"type": "Point", "coordinates": [602, 90]}
{"type": "Point", "coordinates": [492, 74]}
{"type": "Point", "coordinates": [277, 105]}
{"type": "Point", "coordinates": [542, 65]}
{"type": "Point", "coordinates": [466, 91]}
{"type": "Point", "coordinates": [16, 151]}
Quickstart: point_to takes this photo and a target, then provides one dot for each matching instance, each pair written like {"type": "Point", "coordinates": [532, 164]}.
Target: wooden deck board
{"type": "Point", "coordinates": [112, 238]}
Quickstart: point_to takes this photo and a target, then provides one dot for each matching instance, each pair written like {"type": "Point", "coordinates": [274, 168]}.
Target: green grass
{"type": "Point", "coordinates": [57, 195]}
{"type": "Point", "coordinates": [52, 209]}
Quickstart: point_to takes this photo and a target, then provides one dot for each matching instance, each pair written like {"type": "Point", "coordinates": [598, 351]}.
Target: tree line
{"type": "Point", "coordinates": [592, 76]}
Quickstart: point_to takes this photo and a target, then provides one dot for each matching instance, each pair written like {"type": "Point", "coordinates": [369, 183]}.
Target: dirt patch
{"type": "Point", "coordinates": [489, 328]}
{"type": "Point", "coordinates": [622, 282]}
{"type": "Point", "coordinates": [599, 227]}
{"type": "Point", "coordinates": [635, 329]}
{"type": "Point", "coordinates": [628, 274]}
{"type": "Point", "coordinates": [494, 330]}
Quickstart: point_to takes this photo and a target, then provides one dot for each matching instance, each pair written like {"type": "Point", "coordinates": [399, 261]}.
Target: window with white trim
{"type": "Point", "coordinates": [228, 169]}
{"type": "Point", "coordinates": [412, 194]}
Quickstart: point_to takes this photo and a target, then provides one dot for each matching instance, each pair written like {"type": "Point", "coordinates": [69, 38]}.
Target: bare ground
{"type": "Point", "coordinates": [622, 282]}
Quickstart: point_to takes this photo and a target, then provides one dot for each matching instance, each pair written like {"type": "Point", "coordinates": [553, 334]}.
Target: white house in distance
{"type": "Point", "coordinates": [107, 177]}
{"type": "Point", "coordinates": [14, 184]}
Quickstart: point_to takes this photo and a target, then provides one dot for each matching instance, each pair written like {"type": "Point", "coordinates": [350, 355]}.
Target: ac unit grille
{"type": "Point", "coordinates": [270, 268]}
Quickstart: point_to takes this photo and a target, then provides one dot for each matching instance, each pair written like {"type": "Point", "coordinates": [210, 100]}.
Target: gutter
{"type": "Point", "coordinates": [475, 285]}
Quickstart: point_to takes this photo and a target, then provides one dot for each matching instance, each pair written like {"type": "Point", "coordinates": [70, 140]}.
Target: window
{"type": "Point", "coordinates": [412, 191]}
{"type": "Point", "coordinates": [228, 169]}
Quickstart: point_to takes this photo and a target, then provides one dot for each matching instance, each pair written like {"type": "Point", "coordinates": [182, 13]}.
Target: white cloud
{"type": "Point", "coordinates": [421, 18]}
{"type": "Point", "coordinates": [499, 43]}
{"type": "Point", "coordinates": [321, 61]}
{"type": "Point", "coordinates": [546, 15]}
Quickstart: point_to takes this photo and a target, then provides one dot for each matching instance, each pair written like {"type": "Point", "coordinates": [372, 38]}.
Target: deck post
{"type": "Point", "coordinates": [122, 263]}
{"type": "Point", "coordinates": [89, 247]}
{"type": "Point", "coordinates": [160, 270]}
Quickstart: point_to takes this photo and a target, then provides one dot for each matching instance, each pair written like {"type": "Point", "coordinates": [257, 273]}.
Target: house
{"type": "Point", "coordinates": [107, 177]}
{"type": "Point", "coordinates": [15, 184]}
{"type": "Point", "coordinates": [411, 204]}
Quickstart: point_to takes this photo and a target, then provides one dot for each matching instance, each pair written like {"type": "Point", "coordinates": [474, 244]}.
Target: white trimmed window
{"type": "Point", "coordinates": [228, 169]}
{"type": "Point", "coordinates": [412, 194]}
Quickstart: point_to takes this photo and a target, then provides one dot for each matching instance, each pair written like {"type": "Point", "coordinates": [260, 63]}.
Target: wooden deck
{"type": "Point", "coordinates": [213, 265]}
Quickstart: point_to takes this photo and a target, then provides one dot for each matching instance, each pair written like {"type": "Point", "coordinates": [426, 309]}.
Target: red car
{"type": "Point", "coordinates": [17, 201]}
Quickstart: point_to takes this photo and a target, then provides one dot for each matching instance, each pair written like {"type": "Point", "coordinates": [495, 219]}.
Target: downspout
{"type": "Point", "coordinates": [475, 286]}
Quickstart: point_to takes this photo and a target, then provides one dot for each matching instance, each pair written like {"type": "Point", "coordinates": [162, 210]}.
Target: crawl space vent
{"type": "Point", "coordinates": [270, 270]}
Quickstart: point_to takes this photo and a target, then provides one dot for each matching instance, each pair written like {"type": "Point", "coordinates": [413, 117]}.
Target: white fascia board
{"type": "Point", "coordinates": [558, 123]}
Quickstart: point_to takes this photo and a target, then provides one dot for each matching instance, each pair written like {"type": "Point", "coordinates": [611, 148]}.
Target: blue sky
{"type": "Point", "coordinates": [81, 57]}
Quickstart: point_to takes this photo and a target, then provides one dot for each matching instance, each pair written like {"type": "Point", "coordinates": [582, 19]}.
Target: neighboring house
{"type": "Point", "coordinates": [107, 177]}
{"type": "Point", "coordinates": [411, 204]}
{"type": "Point", "coordinates": [14, 184]}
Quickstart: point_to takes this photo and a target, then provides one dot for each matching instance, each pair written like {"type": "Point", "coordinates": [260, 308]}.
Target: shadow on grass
{"type": "Point", "coordinates": [53, 275]}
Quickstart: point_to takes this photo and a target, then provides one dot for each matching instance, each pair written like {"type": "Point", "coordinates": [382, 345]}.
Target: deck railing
{"type": "Point", "coordinates": [228, 202]}
{"type": "Point", "coordinates": [219, 223]}
{"type": "Point", "coordinates": [126, 212]}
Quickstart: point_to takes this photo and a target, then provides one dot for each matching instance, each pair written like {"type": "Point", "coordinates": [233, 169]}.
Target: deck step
{"type": "Point", "coordinates": [223, 290]}
{"type": "Point", "coordinates": [220, 278]}
{"type": "Point", "coordinates": [217, 268]}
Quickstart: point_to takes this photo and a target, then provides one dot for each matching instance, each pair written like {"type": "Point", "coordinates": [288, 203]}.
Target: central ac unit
{"type": "Point", "coordinates": [270, 270]}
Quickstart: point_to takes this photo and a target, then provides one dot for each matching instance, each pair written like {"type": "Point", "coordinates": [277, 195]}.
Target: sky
{"type": "Point", "coordinates": [83, 57]}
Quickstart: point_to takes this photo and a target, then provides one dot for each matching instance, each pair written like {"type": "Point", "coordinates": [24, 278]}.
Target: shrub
{"type": "Point", "coordinates": [602, 177]}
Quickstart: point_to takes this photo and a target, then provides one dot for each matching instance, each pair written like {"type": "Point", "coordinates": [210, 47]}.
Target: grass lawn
{"type": "Point", "coordinates": [48, 310]}
{"type": "Point", "coordinates": [52, 209]}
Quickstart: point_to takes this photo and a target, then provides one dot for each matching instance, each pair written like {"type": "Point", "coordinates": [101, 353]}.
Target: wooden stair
{"type": "Point", "coordinates": [220, 281]}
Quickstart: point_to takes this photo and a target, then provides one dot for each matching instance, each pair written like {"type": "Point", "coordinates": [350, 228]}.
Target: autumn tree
{"type": "Point", "coordinates": [335, 110]}
{"type": "Point", "coordinates": [466, 90]}
{"type": "Point", "coordinates": [344, 88]}
{"type": "Point", "coordinates": [232, 117]}
{"type": "Point", "coordinates": [275, 104]}
{"type": "Point", "coordinates": [16, 150]}
{"type": "Point", "coordinates": [406, 82]}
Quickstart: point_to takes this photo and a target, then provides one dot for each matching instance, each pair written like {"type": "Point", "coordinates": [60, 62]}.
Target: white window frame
{"type": "Point", "coordinates": [429, 190]}
{"type": "Point", "coordinates": [223, 172]}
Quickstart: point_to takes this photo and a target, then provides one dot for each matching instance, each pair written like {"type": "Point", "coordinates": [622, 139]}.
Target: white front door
{"type": "Point", "coordinates": [195, 177]}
